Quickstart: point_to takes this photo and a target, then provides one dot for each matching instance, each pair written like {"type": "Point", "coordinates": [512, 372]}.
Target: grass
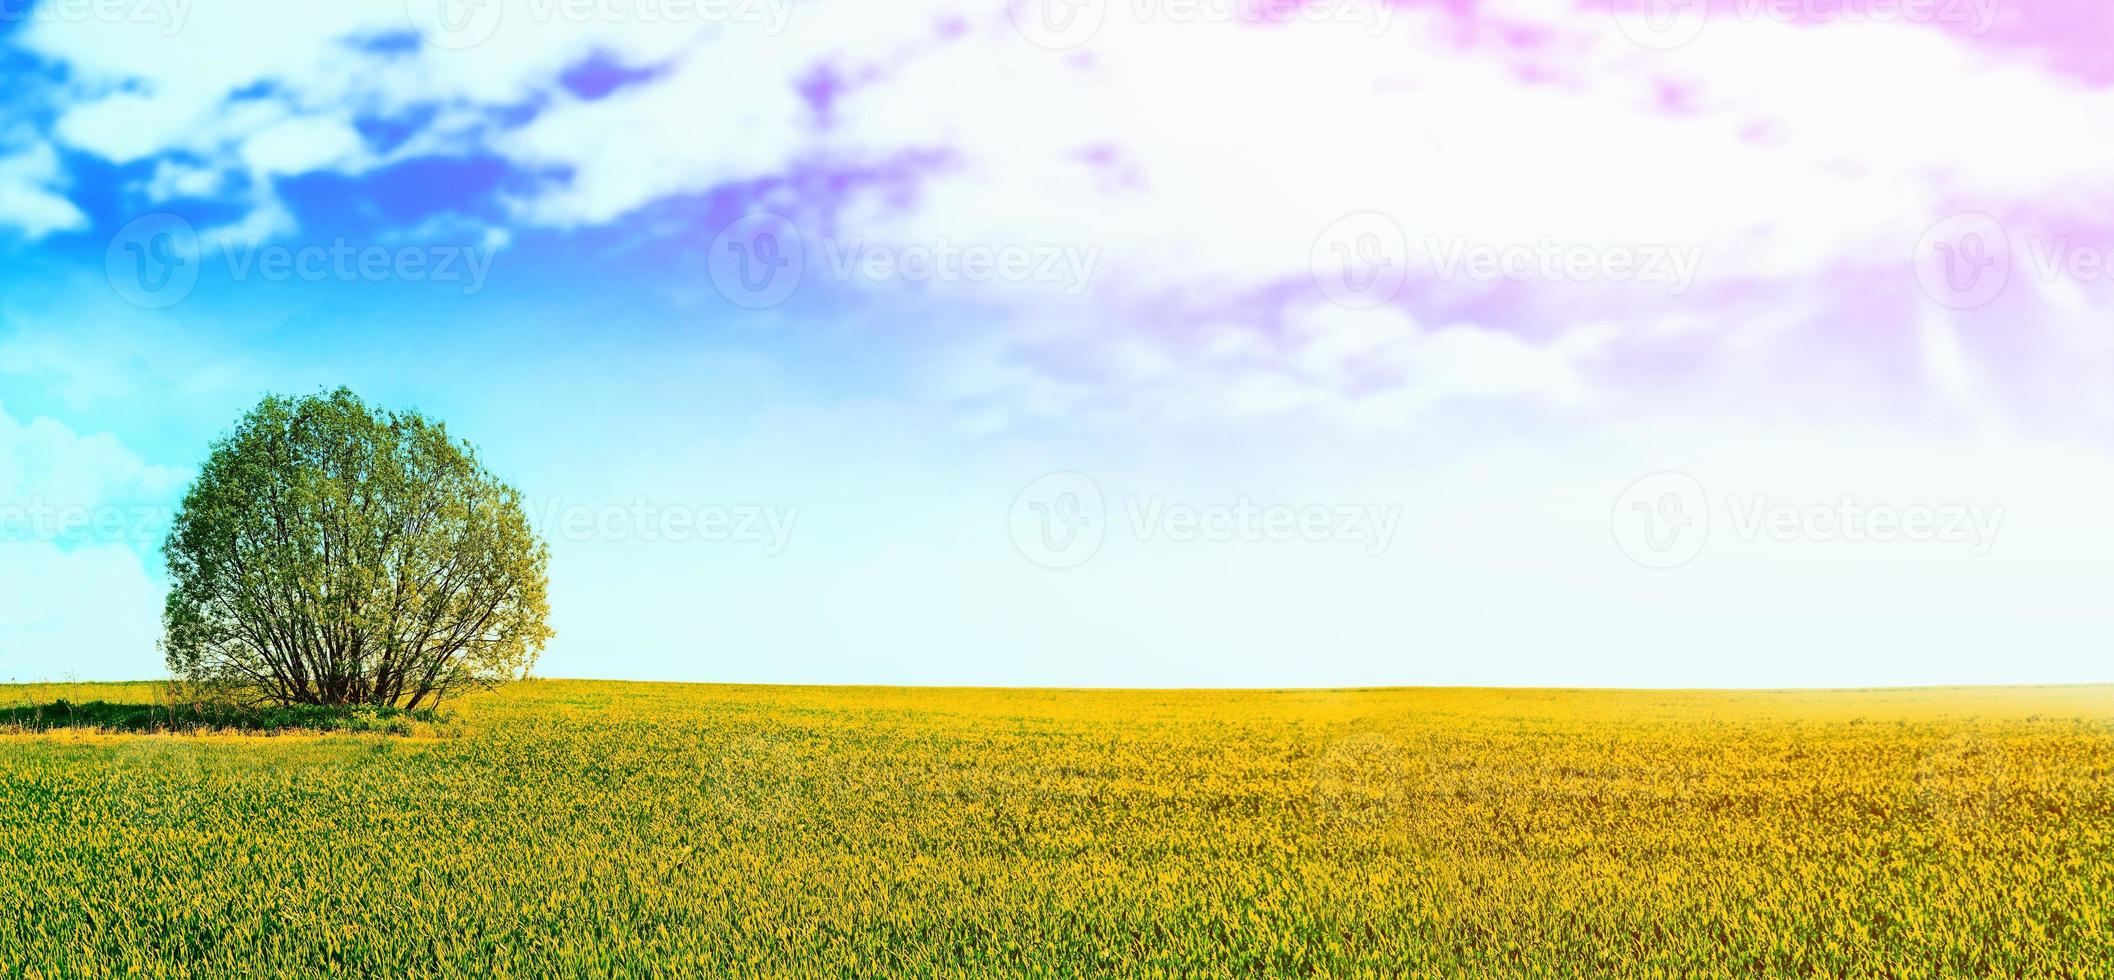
{"type": "Point", "coordinates": [164, 717]}
{"type": "Point", "coordinates": [602, 828]}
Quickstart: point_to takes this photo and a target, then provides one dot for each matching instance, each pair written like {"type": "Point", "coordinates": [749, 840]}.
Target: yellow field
{"type": "Point", "coordinates": [588, 827]}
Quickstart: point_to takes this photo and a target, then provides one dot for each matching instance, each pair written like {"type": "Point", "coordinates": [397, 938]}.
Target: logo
{"type": "Point", "coordinates": [1662, 520]}
{"type": "Point", "coordinates": [1964, 261]}
{"type": "Point", "coordinates": [1660, 24]}
{"type": "Point", "coordinates": [153, 261]}
{"type": "Point", "coordinates": [1058, 521]}
{"type": "Point", "coordinates": [767, 777]}
{"type": "Point", "coordinates": [152, 779]}
{"type": "Point", "coordinates": [757, 262]}
{"type": "Point", "coordinates": [1366, 779]}
{"type": "Point", "coordinates": [1058, 25]}
{"type": "Point", "coordinates": [455, 24]}
{"type": "Point", "coordinates": [1963, 781]}
{"type": "Point", "coordinates": [1360, 261]}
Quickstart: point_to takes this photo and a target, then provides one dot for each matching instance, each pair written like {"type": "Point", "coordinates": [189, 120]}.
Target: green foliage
{"type": "Point", "coordinates": [332, 554]}
{"type": "Point", "coordinates": [103, 716]}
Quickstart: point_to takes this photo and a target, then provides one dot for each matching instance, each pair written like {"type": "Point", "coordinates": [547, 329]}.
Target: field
{"type": "Point", "coordinates": [563, 827]}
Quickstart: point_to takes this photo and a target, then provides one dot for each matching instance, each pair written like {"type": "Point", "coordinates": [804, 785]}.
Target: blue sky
{"type": "Point", "coordinates": [1362, 343]}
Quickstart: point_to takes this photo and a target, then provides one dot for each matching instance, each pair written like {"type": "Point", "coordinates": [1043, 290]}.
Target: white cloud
{"type": "Point", "coordinates": [1231, 171]}
{"type": "Point", "coordinates": [1191, 173]}
{"type": "Point", "coordinates": [86, 614]}
{"type": "Point", "coordinates": [125, 126]}
{"type": "Point", "coordinates": [1773, 172]}
{"type": "Point", "coordinates": [1202, 160]}
{"type": "Point", "coordinates": [1378, 367]}
{"type": "Point", "coordinates": [735, 128]}
{"type": "Point", "coordinates": [29, 202]}
{"type": "Point", "coordinates": [300, 145]}
{"type": "Point", "coordinates": [174, 179]}
{"type": "Point", "coordinates": [78, 516]}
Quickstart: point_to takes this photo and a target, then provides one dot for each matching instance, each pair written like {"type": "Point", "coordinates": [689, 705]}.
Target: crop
{"type": "Point", "coordinates": [566, 828]}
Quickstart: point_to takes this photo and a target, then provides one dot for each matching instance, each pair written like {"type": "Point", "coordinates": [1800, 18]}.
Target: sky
{"type": "Point", "coordinates": [1179, 343]}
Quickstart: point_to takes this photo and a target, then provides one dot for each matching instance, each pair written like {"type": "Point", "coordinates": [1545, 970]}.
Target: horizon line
{"type": "Point", "coordinates": [1255, 689]}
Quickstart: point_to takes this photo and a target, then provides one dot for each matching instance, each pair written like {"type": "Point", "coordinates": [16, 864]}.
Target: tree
{"type": "Point", "coordinates": [336, 555]}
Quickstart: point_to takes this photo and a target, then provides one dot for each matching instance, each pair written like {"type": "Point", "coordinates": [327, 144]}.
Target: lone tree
{"type": "Point", "coordinates": [335, 554]}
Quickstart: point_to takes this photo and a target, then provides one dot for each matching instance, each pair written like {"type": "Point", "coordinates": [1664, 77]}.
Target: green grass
{"type": "Point", "coordinates": [562, 828]}
{"type": "Point", "coordinates": [166, 718]}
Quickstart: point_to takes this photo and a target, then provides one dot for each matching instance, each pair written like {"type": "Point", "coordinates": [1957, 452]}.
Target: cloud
{"type": "Point", "coordinates": [733, 130]}
{"type": "Point", "coordinates": [29, 202]}
{"type": "Point", "coordinates": [86, 614]}
{"type": "Point", "coordinates": [1154, 139]}
{"type": "Point", "coordinates": [1200, 181]}
{"type": "Point", "coordinates": [300, 145]}
{"type": "Point", "coordinates": [1365, 368]}
{"type": "Point", "coordinates": [79, 516]}
{"type": "Point", "coordinates": [1201, 162]}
